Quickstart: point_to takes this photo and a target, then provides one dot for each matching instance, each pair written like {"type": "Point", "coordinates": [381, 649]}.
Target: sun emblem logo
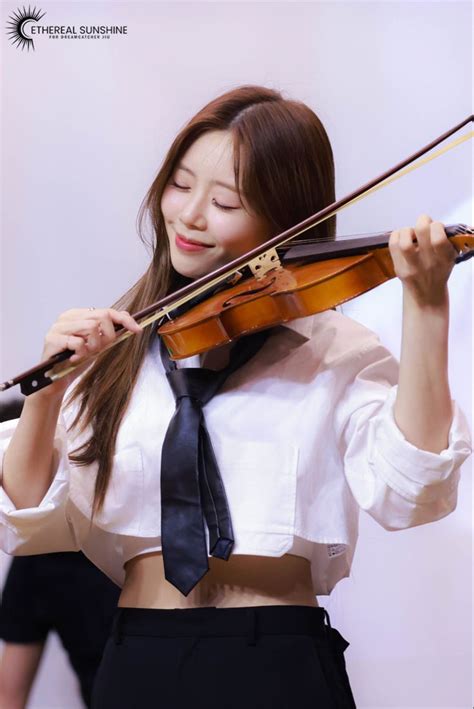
{"type": "Point", "coordinates": [18, 27]}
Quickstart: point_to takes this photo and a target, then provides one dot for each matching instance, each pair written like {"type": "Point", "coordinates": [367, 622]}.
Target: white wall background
{"type": "Point", "coordinates": [86, 124]}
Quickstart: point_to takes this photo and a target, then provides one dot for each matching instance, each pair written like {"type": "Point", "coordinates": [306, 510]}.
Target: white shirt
{"type": "Point", "coordinates": [304, 436]}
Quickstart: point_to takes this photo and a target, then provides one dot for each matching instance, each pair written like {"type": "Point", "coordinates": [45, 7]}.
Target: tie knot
{"type": "Point", "coordinates": [194, 382]}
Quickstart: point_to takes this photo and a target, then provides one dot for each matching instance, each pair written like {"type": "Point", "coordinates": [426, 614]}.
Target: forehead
{"type": "Point", "coordinates": [211, 153]}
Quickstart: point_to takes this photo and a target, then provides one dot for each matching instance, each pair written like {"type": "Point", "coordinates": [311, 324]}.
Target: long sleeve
{"type": "Point", "coordinates": [45, 528]}
{"type": "Point", "coordinates": [399, 485]}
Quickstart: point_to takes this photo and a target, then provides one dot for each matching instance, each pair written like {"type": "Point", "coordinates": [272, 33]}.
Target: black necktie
{"type": "Point", "coordinates": [190, 480]}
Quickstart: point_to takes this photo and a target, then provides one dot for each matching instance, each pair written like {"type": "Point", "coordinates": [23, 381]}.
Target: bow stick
{"type": "Point", "coordinates": [47, 371]}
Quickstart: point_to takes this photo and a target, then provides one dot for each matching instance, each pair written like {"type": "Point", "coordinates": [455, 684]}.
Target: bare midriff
{"type": "Point", "coordinates": [243, 580]}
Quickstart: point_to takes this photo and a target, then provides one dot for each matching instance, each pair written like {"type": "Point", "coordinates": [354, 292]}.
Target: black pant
{"type": "Point", "coordinates": [62, 592]}
{"type": "Point", "coordinates": [263, 657]}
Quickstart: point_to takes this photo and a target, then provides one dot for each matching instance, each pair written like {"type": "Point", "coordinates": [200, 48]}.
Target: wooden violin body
{"type": "Point", "coordinates": [286, 292]}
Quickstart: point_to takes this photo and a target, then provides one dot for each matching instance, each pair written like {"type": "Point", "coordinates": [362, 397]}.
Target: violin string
{"type": "Point", "coordinates": [460, 229]}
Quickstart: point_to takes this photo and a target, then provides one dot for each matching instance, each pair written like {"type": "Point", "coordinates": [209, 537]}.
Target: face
{"type": "Point", "coordinates": [206, 223]}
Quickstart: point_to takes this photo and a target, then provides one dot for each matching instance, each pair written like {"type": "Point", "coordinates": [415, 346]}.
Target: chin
{"type": "Point", "coordinates": [187, 270]}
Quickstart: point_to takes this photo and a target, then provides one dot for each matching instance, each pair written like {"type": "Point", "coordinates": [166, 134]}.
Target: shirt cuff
{"type": "Point", "coordinates": [416, 474]}
{"type": "Point", "coordinates": [57, 491]}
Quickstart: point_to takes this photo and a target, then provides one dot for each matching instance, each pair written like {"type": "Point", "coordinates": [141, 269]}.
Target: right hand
{"type": "Point", "coordinates": [80, 330]}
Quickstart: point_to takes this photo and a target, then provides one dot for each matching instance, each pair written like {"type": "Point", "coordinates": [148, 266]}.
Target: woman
{"type": "Point", "coordinates": [316, 422]}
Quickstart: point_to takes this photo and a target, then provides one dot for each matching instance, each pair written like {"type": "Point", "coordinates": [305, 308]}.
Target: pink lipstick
{"type": "Point", "coordinates": [188, 245]}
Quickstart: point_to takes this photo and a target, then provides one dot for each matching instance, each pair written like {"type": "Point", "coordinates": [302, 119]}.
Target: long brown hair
{"type": "Point", "coordinates": [283, 156]}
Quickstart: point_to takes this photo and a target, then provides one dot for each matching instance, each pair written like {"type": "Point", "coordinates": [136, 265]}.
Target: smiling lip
{"type": "Point", "coordinates": [187, 245]}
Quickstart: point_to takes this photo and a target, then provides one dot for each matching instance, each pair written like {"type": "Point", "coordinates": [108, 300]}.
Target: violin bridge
{"type": "Point", "coordinates": [264, 263]}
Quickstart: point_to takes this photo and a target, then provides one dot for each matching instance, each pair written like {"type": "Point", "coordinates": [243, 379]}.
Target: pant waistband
{"type": "Point", "coordinates": [213, 621]}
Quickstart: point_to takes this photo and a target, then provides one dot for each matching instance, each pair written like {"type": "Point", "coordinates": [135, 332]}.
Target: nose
{"type": "Point", "coordinates": [192, 215]}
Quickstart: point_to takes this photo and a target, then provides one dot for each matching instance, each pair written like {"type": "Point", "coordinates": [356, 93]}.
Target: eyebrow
{"type": "Point", "coordinates": [180, 166]}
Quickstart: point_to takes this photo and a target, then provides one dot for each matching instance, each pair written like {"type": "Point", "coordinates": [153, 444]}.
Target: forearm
{"type": "Point", "coordinates": [423, 408]}
{"type": "Point", "coordinates": [28, 464]}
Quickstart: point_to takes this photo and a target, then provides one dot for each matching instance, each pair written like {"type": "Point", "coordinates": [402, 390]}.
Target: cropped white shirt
{"type": "Point", "coordinates": [304, 436]}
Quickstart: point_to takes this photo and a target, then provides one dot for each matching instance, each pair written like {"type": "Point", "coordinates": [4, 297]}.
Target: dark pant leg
{"type": "Point", "coordinates": [82, 605]}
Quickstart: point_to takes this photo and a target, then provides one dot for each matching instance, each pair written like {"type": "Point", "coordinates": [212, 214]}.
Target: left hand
{"type": "Point", "coordinates": [423, 265]}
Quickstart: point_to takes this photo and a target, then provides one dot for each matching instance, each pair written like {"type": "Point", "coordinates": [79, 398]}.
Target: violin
{"type": "Point", "coordinates": [273, 283]}
{"type": "Point", "coordinates": [310, 278]}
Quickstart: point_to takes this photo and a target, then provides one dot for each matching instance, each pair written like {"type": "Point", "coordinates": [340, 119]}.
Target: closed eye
{"type": "Point", "coordinates": [220, 206]}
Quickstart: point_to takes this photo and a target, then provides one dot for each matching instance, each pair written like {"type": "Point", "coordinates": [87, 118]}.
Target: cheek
{"type": "Point", "coordinates": [231, 238]}
{"type": "Point", "coordinates": [170, 203]}
{"type": "Point", "coordinates": [240, 238]}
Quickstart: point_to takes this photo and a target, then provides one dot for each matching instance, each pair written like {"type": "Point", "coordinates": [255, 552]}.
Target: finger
{"type": "Point", "coordinates": [394, 238]}
{"type": "Point", "coordinates": [401, 266]}
{"type": "Point", "coordinates": [100, 316]}
{"type": "Point", "coordinates": [100, 328]}
{"type": "Point", "coordinates": [124, 318]}
{"type": "Point", "coordinates": [106, 329]}
{"type": "Point", "coordinates": [442, 246]}
{"type": "Point", "coordinates": [422, 221]}
{"type": "Point", "coordinates": [407, 243]}
{"type": "Point", "coordinates": [423, 233]}
{"type": "Point", "coordinates": [118, 317]}
{"type": "Point", "coordinates": [88, 330]}
{"type": "Point", "coordinates": [79, 355]}
{"type": "Point", "coordinates": [394, 245]}
{"type": "Point", "coordinates": [77, 327]}
{"type": "Point", "coordinates": [55, 343]}
{"type": "Point", "coordinates": [97, 314]}
{"type": "Point", "coordinates": [96, 339]}
{"type": "Point", "coordinates": [93, 341]}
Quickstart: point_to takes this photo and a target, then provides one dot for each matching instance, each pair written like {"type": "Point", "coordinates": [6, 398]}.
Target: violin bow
{"type": "Point", "coordinates": [259, 260]}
